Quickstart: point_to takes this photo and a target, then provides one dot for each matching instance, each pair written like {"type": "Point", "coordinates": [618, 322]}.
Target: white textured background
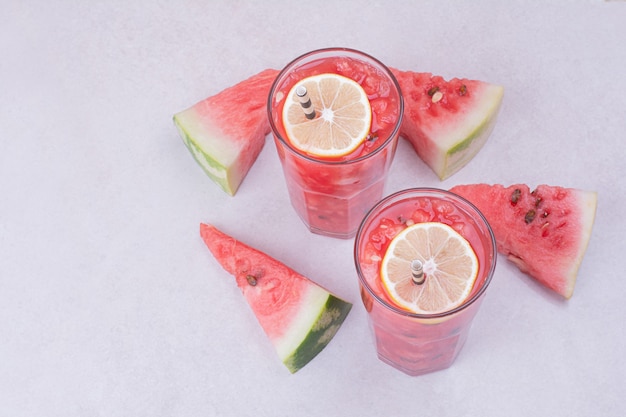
{"type": "Point", "coordinates": [111, 305]}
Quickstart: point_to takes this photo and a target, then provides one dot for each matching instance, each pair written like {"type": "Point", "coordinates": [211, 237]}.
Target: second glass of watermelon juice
{"type": "Point", "coordinates": [331, 195]}
{"type": "Point", "coordinates": [420, 343]}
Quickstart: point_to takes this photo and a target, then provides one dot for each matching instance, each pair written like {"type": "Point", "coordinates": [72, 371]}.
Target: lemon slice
{"type": "Point", "coordinates": [449, 265]}
{"type": "Point", "coordinates": [342, 121]}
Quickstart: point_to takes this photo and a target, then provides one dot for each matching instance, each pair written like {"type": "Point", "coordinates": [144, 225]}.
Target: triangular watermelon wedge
{"type": "Point", "coordinates": [298, 316]}
{"type": "Point", "coordinates": [447, 122]}
{"type": "Point", "coordinates": [226, 132]}
{"type": "Point", "coordinates": [545, 232]}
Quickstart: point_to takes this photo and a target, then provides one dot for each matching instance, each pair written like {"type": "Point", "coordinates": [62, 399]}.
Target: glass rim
{"type": "Point", "coordinates": [422, 190]}
{"type": "Point", "coordinates": [292, 64]}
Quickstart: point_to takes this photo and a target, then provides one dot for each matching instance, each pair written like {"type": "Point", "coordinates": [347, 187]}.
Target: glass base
{"type": "Point", "coordinates": [327, 233]}
{"type": "Point", "coordinates": [421, 358]}
{"type": "Point", "coordinates": [417, 371]}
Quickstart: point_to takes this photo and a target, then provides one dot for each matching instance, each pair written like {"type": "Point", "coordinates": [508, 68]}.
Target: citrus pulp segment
{"type": "Point", "coordinates": [343, 116]}
{"type": "Point", "coordinates": [449, 263]}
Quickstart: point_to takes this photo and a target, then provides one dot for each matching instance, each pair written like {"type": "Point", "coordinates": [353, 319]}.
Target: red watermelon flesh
{"type": "Point", "coordinates": [298, 316]}
{"type": "Point", "coordinates": [545, 232]}
{"type": "Point", "coordinates": [226, 132]}
{"type": "Point", "coordinates": [447, 122]}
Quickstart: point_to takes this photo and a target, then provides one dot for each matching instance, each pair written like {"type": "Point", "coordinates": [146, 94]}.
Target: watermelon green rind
{"type": "Point", "coordinates": [459, 154]}
{"type": "Point", "coordinates": [549, 245]}
{"type": "Point", "coordinates": [448, 133]}
{"type": "Point", "coordinates": [322, 330]}
{"type": "Point", "coordinates": [588, 203]}
{"type": "Point", "coordinates": [226, 132]}
{"type": "Point", "coordinates": [219, 173]}
{"type": "Point", "coordinates": [298, 316]}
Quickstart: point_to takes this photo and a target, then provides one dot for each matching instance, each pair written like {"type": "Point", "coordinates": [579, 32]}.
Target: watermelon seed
{"type": "Point", "coordinates": [433, 90]}
{"type": "Point", "coordinates": [516, 195]}
{"type": "Point", "coordinates": [251, 279]}
{"type": "Point", "coordinates": [437, 96]}
{"type": "Point", "coordinates": [530, 216]}
{"type": "Point", "coordinates": [371, 137]}
{"type": "Point", "coordinates": [545, 214]}
{"type": "Point", "coordinates": [462, 90]}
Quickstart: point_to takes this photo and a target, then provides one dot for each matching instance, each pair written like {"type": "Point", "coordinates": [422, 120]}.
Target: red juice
{"type": "Point", "coordinates": [331, 195]}
{"type": "Point", "coordinates": [420, 343]}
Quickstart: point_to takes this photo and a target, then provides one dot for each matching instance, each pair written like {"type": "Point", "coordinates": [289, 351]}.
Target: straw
{"type": "Point", "coordinates": [305, 102]}
{"type": "Point", "coordinates": [417, 270]}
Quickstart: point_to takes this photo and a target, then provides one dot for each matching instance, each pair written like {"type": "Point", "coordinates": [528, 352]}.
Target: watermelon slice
{"type": "Point", "coordinates": [226, 132]}
{"type": "Point", "coordinates": [298, 316]}
{"type": "Point", "coordinates": [447, 122]}
{"type": "Point", "coordinates": [545, 232]}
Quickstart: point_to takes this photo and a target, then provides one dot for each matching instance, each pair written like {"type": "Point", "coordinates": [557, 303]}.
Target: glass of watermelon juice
{"type": "Point", "coordinates": [420, 343]}
{"type": "Point", "coordinates": [332, 194]}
